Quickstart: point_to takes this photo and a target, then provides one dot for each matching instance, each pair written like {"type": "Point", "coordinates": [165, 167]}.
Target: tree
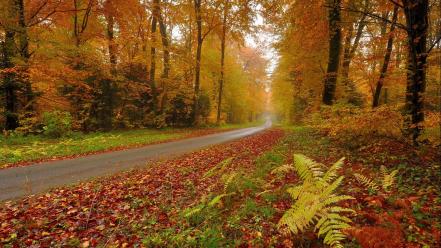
{"type": "Point", "coordinates": [211, 23]}
{"type": "Point", "coordinates": [10, 75]}
{"type": "Point", "coordinates": [330, 80]}
{"type": "Point", "coordinates": [24, 52]}
{"type": "Point", "coordinates": [222, 72]}
{"type": "Point", "coordinates": [417, 23]}
{"type": "Point", "coordinates": [197, 77]}
{"type": "Point", "coordinates": [384, 68]}
{"type": "Point", "coordinates": [109, 14]}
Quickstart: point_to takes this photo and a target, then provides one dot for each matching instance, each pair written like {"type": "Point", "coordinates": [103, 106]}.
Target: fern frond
{"type": "Point", "coordinates": [332, 225]}
{"type": "Point", "coordinates": [331, 216]}
{"type": "Point", "coordinates": [283, 169]}
{"type": "Point", "coordinates": [315, 201]}
{"type": "Point", "coordinates": [388, 180]}
{"type": "Point", "coordinates": [334, 238]}
{"type": "Point", "coordinates": [191, 212]}
{"type": "Point", "coordinates": [335, 199]}
{"type": "Point", "coordinates": [297, 219]}
{"type": "Point", "coordinates": [332, 172]}
{"type": "Point", "coordinates": [217, 199]}
{"type": "Point", "coordinates": [218, 168]}
{"type": "Point", "coordinates": [307, 168]}
{"type": "Point", "coordinates": [337, 209]}
{"type": "Point", "coordinates": [332, 187]}
{"type": "Point", "coordinates": [229, 181]}
{"type": "Point", "coordinates": [383, 171]}
{"type": "Point", "coordinates": [366, 182]}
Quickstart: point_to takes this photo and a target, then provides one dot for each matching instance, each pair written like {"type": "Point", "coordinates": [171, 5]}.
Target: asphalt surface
{"type": "Point", "coordinates": [37, 178]}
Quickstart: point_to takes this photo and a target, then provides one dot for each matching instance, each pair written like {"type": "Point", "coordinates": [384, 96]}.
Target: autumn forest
{"type": "Point", "coordinates": [220, 123]}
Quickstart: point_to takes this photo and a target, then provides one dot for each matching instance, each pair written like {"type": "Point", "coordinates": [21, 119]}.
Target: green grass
{"type": "Point", "coordinates": [16, 149]}
{"type": "Point", "coordinates": [29, 148]}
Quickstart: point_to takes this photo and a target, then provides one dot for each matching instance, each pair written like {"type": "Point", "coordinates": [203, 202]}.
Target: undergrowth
{"type": "Point", "coordinates": [251, 205]}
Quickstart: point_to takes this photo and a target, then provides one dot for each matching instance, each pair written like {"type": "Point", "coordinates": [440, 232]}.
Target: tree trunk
{"type": "Point", "coordinates": [153, 54]}
{"type": "Point", "coordinates": [166, 60]}
{"type": "Point", "coordinates": [9, 82]}
{"type": "Point", "coordinates": [111, 42]}
{"type": "Point", "coordinates": [25, 55]}
{"type": "Point", "coordinates": [416, 12]}
{"type": "Point", "coordinates": [351, 48]}
{"type": "Point", "coordinates": [383, 72]}
{"type": "Point", "coordinates": [76, 27]}
{"type": "Point", "coordinates": [197, 7]}
{"type": "Point", "coordinates": [222, 72]}
{"type": "Point", "coordinates": [166, 47]}
{"type": "Point", "coordinates": [330, 81]}
{"type": "Point", "coordinates": [346, 53]}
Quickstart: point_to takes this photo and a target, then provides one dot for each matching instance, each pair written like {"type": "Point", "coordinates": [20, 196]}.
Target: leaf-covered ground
{"type": "Point", "coordinates": [124, 209]}
{"type": "Point", "coordinates": [409, 215]}
{"type": "Point", "coordinates": [24, 150]}
{"type": "Point", "coordinates": [226, 196]}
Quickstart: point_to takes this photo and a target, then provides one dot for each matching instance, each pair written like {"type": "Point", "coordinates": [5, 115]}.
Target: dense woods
{"type": "Point", "coordinates": [158, 63]}
{"type": "Point", "coordinates": [121, 64]}
{"type": "Point", "coordinates": [379, 53]}
{"type": "Point", "coordinates": [335, 106]}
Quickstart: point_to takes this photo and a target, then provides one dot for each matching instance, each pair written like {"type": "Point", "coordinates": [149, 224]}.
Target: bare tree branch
{"type": "Point", "coordinates": [372, 15]}
{"type": "Point", "coordinates": [397, 3]}
{"type": "Point", "coordinates": [433, 45]}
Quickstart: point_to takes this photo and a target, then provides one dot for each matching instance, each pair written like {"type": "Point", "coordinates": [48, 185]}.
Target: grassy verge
{"type": "Point", "coordinates": [37, 147]}
{"type": "Point", "coordinates": [29, 148]}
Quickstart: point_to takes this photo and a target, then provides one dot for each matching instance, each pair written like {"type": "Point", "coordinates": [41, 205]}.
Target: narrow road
{"type": "Point", "coordinates": [37, 178]}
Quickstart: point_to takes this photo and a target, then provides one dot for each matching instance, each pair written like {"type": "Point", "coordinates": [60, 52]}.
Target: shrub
{"type": "Point", "coordinates": [57, 124]}
{"type": "Point", "coordinates": [29, 124]}
{"type": "Point", "coordinates": [358, 127]}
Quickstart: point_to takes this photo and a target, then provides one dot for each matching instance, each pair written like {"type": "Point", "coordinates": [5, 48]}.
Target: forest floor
{"type": "Point", "coordinates": [226, 196]}
{"type": "Point", "coordinates": [23, 150]}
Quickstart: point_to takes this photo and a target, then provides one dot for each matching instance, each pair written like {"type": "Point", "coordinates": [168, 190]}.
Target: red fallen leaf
{"type": "Point", "coordinates": [163, 217]}
{"type": "Point", "coordinates": [413, 198]}
{"type": "Point", "coordinates": [373, 237]}
{"type": "Point", "coordinates": [375, 201]}
{"type": "Point", "coordinates": [398, 215]}
{"type": "Point", "coordinates": [403, 203]}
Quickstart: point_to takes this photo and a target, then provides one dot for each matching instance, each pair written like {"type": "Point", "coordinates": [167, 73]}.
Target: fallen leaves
{"type": "Point", "coordinates": [114, 210]}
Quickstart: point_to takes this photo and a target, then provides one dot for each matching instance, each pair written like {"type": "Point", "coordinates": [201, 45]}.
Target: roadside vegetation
{"type": "Point", "coordinates": [17, 149]}
{"type": "Point", "coordinates": [253, 192]}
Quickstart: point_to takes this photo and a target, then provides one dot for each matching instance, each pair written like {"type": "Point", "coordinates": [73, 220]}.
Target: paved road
{"type": "Point", "coordinates": [37, 178]}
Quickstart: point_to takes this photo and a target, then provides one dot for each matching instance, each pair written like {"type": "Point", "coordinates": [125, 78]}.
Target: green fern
{"type": "Point", "coordinates": [283, 169]}
{"type": "Point", "coordinates": [219, 168]}
{"type": "Point", "coordinates": [366, 182]}
{"type": "Point", "coordinates": [387, 180]}
{"type": "Point", "coordinates": [306, 168]}
{"type": "Point", "coordinates": [315, 202]}
{"type": "Point", "coordinates": [228, 184]}
{"type": "Point", "coordinates": [216, 200]}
